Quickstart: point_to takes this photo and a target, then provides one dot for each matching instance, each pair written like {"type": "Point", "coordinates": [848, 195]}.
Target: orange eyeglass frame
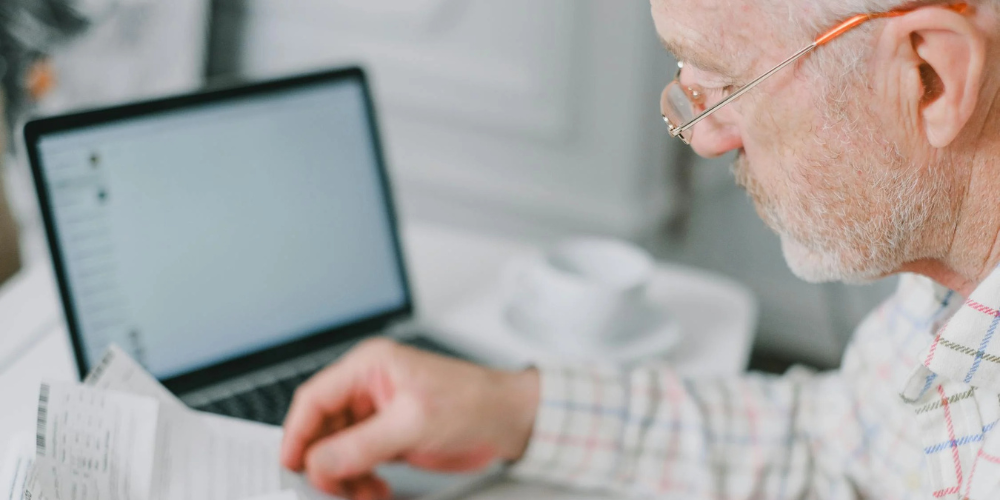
{"type": "Point", "coordinates": [825, 38]}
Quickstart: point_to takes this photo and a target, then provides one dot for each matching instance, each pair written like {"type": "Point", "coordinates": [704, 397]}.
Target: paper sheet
{"type": "Point", "coordinates": [200, 456]}
{"type": "Point", "coordinates": [161, 450]}
{"type": "Point", "coordinates": [117, 371]}
{"type": "Point", "coordinates": [206, 457]}
{"type": "Point", "coordinates": [94, 444]}
{"type": "Point", "coordinates": [16, 466]}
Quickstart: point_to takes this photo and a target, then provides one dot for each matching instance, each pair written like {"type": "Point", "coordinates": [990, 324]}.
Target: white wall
{"type": "Point", "coordinates": [134, 49]}
{"type": "Point", "coordinates": [497, 112]}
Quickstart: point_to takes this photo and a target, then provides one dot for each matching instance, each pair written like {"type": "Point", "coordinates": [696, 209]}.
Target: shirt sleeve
{"type": "Point", "coordinates": [648, 431]}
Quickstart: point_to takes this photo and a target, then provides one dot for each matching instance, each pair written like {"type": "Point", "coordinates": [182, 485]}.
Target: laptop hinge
{"type": "Point", "coordinates": [308, 363]}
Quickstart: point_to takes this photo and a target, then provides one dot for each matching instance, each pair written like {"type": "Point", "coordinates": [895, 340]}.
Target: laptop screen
{"type": "Point", "coordinates": [203, 233]}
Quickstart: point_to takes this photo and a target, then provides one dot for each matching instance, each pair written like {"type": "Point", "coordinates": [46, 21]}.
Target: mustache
{"type": "Point", "coordinates": [766, 207]}
{"type": "Point", "coordinates": [740, 168]}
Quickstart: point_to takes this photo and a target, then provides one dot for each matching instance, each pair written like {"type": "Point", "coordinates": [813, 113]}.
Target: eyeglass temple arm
{"type": "Point", "coordinates": [823, 39]}
{"type": "Point", "coordinates": [746, 88]}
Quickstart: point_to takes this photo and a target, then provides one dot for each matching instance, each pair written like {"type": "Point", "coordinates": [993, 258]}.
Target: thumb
{"type": "Point", "coordinates": [358, 449]}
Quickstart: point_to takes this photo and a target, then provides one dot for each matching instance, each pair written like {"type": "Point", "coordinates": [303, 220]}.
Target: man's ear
{"type": "Point", "coordinates": [934, 59]}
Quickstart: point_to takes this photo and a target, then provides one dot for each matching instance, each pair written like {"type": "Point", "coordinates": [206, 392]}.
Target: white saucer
{"type": "Point", "coordinates": [650, 333]}
{"type": "Point", "coordinates": [486, 314]}
{"type": "Point", "coordinates": [715, 318]}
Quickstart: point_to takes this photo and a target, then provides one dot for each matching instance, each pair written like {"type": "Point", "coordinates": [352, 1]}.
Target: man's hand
{"type": "Point", "coordinates": [384, 402]}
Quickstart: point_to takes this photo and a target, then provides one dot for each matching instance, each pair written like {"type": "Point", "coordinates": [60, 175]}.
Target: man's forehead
{"type": "Point", "coordinates": [696, 55]}
{"type": "Point", "coordinates": [714, 35]}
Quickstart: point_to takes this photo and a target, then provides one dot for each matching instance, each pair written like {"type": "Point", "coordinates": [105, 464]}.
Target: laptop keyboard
{"type": "Point", "coordinates": [269, 402]}
{"type": "Point", "coordinates": [265, 403]}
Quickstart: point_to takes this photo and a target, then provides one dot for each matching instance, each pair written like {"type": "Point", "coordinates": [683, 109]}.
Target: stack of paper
{"type": "Point", "coordinates": [123, 436]}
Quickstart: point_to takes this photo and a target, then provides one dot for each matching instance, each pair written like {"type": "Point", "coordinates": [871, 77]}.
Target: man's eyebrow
{"type": "Point", "coordinates": [688, 54]}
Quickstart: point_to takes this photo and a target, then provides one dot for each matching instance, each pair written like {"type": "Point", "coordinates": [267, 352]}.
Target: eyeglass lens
{"type": "Point", "coordinates": [677, 107]}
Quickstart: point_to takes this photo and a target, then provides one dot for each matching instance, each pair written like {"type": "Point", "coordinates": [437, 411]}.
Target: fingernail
{"type": "Point", "coordinates": [287, 459]}
{"type": "Point", "coordinates": [322, 459]}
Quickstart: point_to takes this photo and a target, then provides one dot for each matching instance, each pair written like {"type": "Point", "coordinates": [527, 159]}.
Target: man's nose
{"type": "Point", "coordinates": [713, 138]}
{"type": "Point", "coordinates": [717, 134]}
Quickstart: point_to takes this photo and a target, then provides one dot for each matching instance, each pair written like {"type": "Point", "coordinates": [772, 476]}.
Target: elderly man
{"type": "Point", "coordinates": [874, 150]}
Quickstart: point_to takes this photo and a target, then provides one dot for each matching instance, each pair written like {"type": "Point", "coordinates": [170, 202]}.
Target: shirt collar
{"type": "Point", "coordinates": [966, 348]}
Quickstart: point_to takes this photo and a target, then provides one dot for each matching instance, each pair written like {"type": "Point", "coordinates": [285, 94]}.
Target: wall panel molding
{"type": "Point", "coordinates": [468, 71]}
{"type": "Point", "coordinates": [540, 109]}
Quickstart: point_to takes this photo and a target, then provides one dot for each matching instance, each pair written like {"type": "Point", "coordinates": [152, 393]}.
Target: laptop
{"type": "Point", "coordinates": [233, 241]}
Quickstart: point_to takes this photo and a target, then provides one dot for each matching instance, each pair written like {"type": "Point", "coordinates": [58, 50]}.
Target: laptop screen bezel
{"type": "Point", "coordinates": [310, 342]}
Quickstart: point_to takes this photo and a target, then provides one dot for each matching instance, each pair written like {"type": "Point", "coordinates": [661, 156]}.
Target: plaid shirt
{"type": "Point", "coordinates": [910, 415]}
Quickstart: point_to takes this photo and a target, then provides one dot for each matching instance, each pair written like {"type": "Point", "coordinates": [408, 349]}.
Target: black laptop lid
{"type": "Point", "coordinates": [210, 234]}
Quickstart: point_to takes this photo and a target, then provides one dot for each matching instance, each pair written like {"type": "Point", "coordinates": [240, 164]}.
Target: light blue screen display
{"type": "Point", "coordinates": [197, 236]}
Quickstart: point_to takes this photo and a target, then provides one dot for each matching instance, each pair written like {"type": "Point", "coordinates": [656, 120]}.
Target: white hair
{"type": "Point", "coordinates": [846, 59]}
{"type": "Point", "coordinates": [829, 12]}
{"type": "Point", "coordinates": [809, 18]}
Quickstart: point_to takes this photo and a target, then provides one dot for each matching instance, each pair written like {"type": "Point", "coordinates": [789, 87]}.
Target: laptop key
{"type": "Point", "coordinates": [277, 398]}
{"type": "Point", "coordinates": [289, 385]}
{"type": "Point", "coordinates": [259, 407]}
{"type": "Point", "coordinates": [267, 403]}
{"type": "Point", "coordinates": [233, 407]}
{"type": "Point", "coordinates": [212, 407]}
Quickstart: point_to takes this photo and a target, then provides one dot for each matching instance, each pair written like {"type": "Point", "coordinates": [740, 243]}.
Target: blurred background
{"type": "Point", "coordinates": [531, 118]}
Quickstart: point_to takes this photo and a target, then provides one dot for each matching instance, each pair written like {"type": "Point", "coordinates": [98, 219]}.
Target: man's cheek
{"type": "Point", "coordinates": [784, 132]}
{"type": "Point", "coordinates": [749, 160]}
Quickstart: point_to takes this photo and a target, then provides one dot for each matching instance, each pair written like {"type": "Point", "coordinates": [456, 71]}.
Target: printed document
{"type": "Point", "coordinates": [15, 468]}
{"type": "Point", "coordinates": [123, 436]}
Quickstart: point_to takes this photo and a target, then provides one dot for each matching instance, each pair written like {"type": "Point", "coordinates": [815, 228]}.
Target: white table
{"type": "Point", "coordinates": [454, 269]}
{"type": "Point", "coordinates": [446, 266]}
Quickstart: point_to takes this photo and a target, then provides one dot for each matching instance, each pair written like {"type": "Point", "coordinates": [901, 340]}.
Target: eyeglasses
{"type": "Point", "coordinates": [680, 104]}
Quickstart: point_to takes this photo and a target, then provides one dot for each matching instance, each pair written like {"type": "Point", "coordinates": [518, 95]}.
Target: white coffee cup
{"type": "Point", "coordinates": [580, 293]}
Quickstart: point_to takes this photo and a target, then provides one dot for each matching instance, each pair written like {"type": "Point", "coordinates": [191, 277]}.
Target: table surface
{"type": "Point", "coordinates": [447, 267]}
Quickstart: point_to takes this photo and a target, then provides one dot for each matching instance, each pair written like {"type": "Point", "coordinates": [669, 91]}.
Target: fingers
{"type": "Point", "coordinates": [369, 487]}
{"type": "Point", "coordinates": [328, 393]}
{"type": "Point", "coordinates": [311, 413]}
{"type": "Point", "coordinates": [356, 450]}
